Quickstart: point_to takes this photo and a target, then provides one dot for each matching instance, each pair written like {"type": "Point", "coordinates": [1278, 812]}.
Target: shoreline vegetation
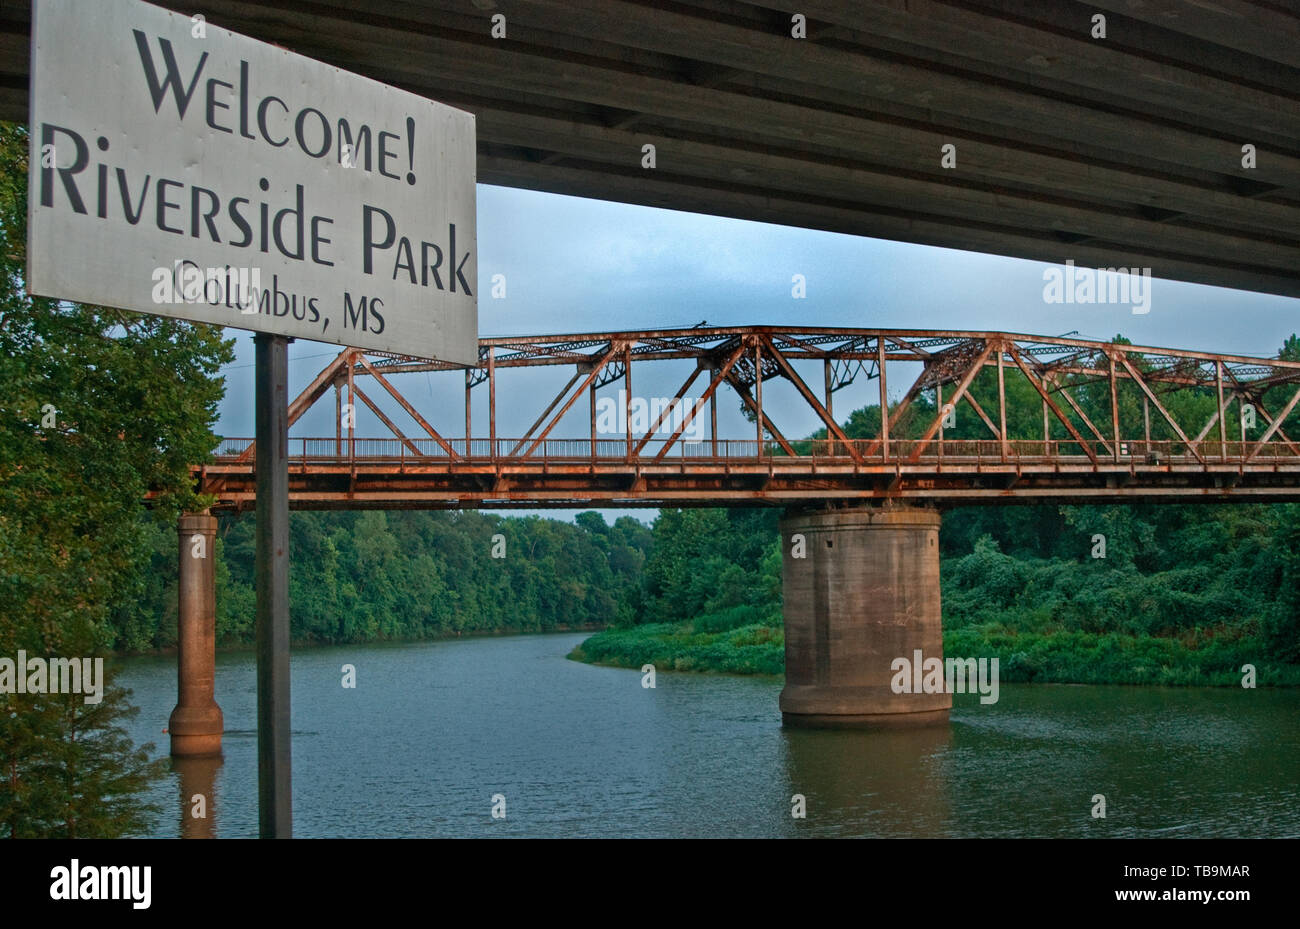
{"type": "Point", "coordinates": [297, 644]}
{"type": "Point", "coordinates": [1054, 658]}
{"type": "Point", "coordinates": [1185, 595]}
{"type": "Point", "coordinates": [407, 576]}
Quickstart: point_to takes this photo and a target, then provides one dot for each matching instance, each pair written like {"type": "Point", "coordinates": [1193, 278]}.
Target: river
{"type": "Point", "coordinates": [432, 731]}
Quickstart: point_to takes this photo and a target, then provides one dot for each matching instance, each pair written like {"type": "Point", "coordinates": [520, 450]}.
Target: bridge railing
{"type": "Point", "coordinates": [949, 451]}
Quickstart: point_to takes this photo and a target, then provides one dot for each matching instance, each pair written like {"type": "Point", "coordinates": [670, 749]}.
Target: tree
{"type": "Point", "coordinates": [1282, 624]}
{"type": "Point", "coordinates": [100, 407]}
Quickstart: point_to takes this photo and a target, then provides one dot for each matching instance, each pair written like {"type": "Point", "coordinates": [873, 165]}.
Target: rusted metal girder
{"type": "Point", "coordinates": [539, 469]}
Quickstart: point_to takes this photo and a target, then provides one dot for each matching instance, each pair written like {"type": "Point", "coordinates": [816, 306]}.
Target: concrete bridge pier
{"type": "Point", "coordinates": [196, 723]}
{"type": "Point", "coordinates": [860, 589]}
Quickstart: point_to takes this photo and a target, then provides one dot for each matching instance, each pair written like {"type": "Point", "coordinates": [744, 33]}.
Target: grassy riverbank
{"type": "Point", "coordinates": [1024, 657]}
{"type": "Point", "coordinates": [1176, 596]}
{"type": "Point", "coordinates": [748, 650]}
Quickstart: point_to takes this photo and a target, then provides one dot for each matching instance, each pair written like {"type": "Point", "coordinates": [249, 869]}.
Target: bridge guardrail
{"type": "Point", "coordinates": [868, 451]}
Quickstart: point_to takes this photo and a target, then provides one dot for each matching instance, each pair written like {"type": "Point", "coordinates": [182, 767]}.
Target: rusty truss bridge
{"type": "Point", "coordinates": [1042, 418]}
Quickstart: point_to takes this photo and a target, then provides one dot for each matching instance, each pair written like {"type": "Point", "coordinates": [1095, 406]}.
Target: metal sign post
{"type": "Point", "coordinates": [271, 451]}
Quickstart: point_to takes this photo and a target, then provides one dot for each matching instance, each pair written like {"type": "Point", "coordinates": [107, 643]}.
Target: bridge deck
{"type": "Point", "coordinates": [385, 473]}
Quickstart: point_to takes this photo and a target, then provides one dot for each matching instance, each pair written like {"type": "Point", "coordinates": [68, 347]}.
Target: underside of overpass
{"type": "Point", "coordinates": [1122, 151]}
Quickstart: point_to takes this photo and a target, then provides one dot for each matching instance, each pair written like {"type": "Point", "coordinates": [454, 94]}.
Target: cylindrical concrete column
{"type": "Point", "coordinates": [196, 723]}
{"type": "Point", "coordinates": [860, 590]}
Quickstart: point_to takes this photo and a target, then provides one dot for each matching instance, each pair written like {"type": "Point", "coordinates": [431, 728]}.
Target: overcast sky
{"type": "Point", "coordinates": [575, 265]}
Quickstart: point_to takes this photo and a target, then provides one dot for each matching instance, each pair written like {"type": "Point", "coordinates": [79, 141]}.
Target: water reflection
{"type": "Point", "coordinates": [881, 782]}
{"type": "Point", "coordinates": [197, 795]}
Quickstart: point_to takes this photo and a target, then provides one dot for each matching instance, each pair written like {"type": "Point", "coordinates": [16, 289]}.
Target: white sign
{"type": "Point", "coordinates": [184, 170]}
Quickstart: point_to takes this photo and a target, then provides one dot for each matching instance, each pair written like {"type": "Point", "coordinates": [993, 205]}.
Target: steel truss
{"type": "Point", "coordinates": [1078, 457]}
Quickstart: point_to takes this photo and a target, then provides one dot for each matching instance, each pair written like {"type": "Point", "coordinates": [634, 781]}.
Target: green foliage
{"type": "Point", "coordinates": [755, 649]}
{"type": "Point", "coordinates": [368, 576]}
{"type": "Point", "coordinates": [1185, 594]}
{"type": "Point", "coordinates": [71, 771]}
{"type": "Point", "coordinates": [100, 407]}
{"type": "Point", "coordinates": [1281, 624]}
{"type": "Point", "coordinates": [710, 561]}
{"type": "Point", "coordinates": [1115, 658]}
{"type": "Point", "coordinates": [1023, 657]}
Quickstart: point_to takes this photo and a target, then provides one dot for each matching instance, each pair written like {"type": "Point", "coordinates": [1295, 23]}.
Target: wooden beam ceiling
{"type": "Point", "coordinates": [1115, 152]}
